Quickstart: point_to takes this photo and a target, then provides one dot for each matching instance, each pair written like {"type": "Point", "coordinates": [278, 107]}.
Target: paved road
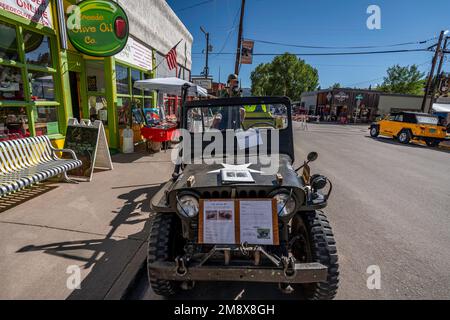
{"type": "Point", "coordinates": [390, 208]}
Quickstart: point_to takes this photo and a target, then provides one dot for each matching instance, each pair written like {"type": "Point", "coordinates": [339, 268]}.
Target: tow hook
{"type": "Point", "coordinates": [289, 267]}
{"type": "Point", "coordinates": [181, 268]}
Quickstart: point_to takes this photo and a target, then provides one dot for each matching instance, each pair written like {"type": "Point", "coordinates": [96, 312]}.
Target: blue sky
{"type": "Point", "coordinates": [316, 23]}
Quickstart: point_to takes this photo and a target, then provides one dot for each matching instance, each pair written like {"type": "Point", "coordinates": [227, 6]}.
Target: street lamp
{"type": "Point", "coordinates": [206, 70]}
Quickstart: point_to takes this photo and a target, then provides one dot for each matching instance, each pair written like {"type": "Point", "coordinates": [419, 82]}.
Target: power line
{"type": "Point", "coordinates": [382, 78]}
{"type": "Point", "coordinates": [229, 34]}
{"type": "Point", "coordinates": [343, 47]}
{"type": "Point", "coordinates": [330, 53]}
{"type": "Point", "coordinates": [194, 5]}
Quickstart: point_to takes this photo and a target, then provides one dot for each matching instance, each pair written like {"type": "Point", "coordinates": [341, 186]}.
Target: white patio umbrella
{"type": "Point", "coordinates": [171, 85]}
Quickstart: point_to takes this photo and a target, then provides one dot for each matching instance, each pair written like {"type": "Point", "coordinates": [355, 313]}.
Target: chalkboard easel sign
{"type": "Point", "coordinates": [88, 141]}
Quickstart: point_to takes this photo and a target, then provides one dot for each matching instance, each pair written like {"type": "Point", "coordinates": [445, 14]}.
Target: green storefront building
{"type": "Point", "coordinates": [45, 80]}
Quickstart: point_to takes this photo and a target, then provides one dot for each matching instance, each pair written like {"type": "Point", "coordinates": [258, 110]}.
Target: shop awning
{"type": "Point", "coordinates": [441, 107]}
{"type": "Point", "coordinates": [171, 86]}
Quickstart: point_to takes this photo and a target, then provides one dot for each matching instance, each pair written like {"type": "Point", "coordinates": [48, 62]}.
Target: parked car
{"type": "Point", "coordinates": [406, 126]}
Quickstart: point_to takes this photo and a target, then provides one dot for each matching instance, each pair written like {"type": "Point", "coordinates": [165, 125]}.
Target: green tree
{"type": "Point", "coordinates": [406, 80]}
{"type": "Point", "coordinates": [286, 75]}
{"type": "Point", "coordinates": [336, 85]}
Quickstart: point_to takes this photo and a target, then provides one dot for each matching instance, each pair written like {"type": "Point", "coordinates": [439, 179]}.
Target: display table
{"type": "Point", "coordinates": [162, 133]}
{"type": "Point", "coordinates": [159, 133]}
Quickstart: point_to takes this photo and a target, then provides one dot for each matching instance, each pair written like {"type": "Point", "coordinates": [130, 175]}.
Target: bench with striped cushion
{"type": "Point", "coordinates": [24, 162]}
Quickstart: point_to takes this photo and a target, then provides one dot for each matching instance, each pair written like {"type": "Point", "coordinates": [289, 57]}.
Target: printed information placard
{"type": "Point", "coordinates": [253, 221]}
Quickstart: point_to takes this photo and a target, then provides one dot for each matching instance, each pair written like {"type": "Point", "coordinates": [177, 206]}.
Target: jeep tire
{"type": "Point", "coordinates": [404, 136]}
{"type": "Point", "coordinates": [163, 245]}
{"type": "Point", "coordinates": [374, 131]}
{"type": "Point", "coordinates": [317, 244]}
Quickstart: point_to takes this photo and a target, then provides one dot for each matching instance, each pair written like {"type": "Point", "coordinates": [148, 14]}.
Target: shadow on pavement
{"type": "Point", "coordinates": [409, 145]}
{"type": "Point", "coordinates": [21, 196]}
{"type": "Point", "coordinates": [110, 255]}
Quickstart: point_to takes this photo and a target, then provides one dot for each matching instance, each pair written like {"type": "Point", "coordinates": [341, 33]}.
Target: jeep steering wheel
{"type": "Point", "coordinates": [257, 123]}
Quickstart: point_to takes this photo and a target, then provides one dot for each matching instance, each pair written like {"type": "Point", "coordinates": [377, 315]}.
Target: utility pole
{"type": "Point", "coordinates": [206, 70]}
{"type": "Point", "coordinates": [436, 82]}
{"type": "Point", "coordinates": [433, 66]}
{"type": "Point", "coordinates": [239, 42]}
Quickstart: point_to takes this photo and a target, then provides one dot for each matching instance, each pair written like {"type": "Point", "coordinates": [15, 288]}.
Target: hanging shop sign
{"type": "Point", "coordinates": [38, 11]}
{"type": "Point", "coordinates": [136, 54]}
{"type": "Point", "coordinates": [98, 28]}
{"type": "Point", "coordinates": [444, 85]}
{"type": "Point", "coordinates": [247, 52]}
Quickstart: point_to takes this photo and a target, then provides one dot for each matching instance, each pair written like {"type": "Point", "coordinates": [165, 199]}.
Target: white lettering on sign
{"type": "Point", "coordinates": [136, 54]}
{"type": "Point", "coordinates": [35, 10]}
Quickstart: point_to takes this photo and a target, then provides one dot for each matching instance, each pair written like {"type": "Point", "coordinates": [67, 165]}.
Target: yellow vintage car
{"type": "Point", "coordinates": [406, 126]}
{"type": "Point", "coordinates": [260, 116]}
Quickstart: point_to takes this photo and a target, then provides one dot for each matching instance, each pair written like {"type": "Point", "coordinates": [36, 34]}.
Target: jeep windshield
{"type": "Point", "coordinates": [237, 117]}
{"type": "Point", "coordinates": [237, 126]}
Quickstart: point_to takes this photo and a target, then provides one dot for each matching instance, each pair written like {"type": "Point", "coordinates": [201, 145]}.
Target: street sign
{"type": "Point", "coordinates": [202, 82]}
{"type": "Point", "coordinates": [98, 28]}
{"type": "Point", "coordinates": [359, 97]}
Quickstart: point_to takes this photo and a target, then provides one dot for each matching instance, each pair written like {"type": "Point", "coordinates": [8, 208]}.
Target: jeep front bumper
{"type": "Point", "coordinates": [302, 273]}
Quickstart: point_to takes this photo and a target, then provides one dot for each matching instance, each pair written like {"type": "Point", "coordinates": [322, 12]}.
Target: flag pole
{"type": "Point", "coordinates": [163, 60]}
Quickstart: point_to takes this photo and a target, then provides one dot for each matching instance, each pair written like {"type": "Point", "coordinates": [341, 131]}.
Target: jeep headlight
{"type": "Point", "coordinates": [285, 204]}
{"type": "Point", "coordinates": [187, 205]}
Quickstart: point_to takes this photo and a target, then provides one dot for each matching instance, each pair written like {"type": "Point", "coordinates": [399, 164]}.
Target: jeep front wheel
{"type": "Point", "coordinates": [404, 136]}
{"type": "Point", "coordinates": [315, 243]}
{"type": "Point", "coordinates": [164, 244]}
{"type": "Point", "coordinates": [374, 131]}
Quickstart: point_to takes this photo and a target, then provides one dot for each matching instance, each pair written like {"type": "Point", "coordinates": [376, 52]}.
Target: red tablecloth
{"type": "Point", "coordinates": [158, 134]}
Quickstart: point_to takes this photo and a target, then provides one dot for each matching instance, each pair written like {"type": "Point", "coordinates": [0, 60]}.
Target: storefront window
{"type": "Point", "coordinates": [30, 78]}
{"type": "Point", "coordinates": [37, 49]}
{"type": "Point", "coordinates": [46, 122]}
{"type": "Point", "coordinates": [138, 116]}
{"type": "Point", "coordinates": [95, 76]}
{"type": "Point", "coordinates": [13, 123]}
{"type": "Point", "coordinates": [8, 42]}
{"type": "Point", "coordinates": [148, 103]}
{"type": "Point", "coordinates": [122, 80]}
{"type": "Point", "coordinates": [123, 109]}
{"type": "Point", "coordinates": [11, 84]}
{"type": "Point", "coordinates": [98, 109]}
{"type": "Point", "coordinates": [135, 76]}
{"type": "Point", "coordinates": [42, 86]}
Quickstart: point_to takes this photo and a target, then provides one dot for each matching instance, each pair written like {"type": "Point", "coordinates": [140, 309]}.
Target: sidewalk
{"type": "Point", "coordinates": [100, 226]}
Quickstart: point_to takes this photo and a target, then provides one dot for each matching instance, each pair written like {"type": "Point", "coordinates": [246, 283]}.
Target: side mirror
{"type": "Point", "coordinates": [312, 156]}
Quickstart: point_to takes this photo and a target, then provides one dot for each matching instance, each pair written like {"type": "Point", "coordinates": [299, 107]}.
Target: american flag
{"type": "Point", "coordinates": [171, 57]}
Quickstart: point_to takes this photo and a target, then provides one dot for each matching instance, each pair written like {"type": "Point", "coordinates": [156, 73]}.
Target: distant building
{"type": "Point", "coordinates": [355, 105]}
{"type": "Point", "coordinates": [246, 92]}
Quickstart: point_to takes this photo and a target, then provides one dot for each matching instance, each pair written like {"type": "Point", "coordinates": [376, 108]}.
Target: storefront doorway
{"type": "Point", "coordinates": [74, 78]}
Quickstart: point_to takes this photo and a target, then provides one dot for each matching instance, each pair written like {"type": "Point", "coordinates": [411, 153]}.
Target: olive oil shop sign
{"type": "Point", "coordinates": [38, 11]}
{"type": "Point", "coordinates": [97, 28]}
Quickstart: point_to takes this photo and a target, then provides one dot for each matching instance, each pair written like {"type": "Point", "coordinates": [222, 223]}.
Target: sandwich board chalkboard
{"type": "Point", "coordinates": [88, 141]}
